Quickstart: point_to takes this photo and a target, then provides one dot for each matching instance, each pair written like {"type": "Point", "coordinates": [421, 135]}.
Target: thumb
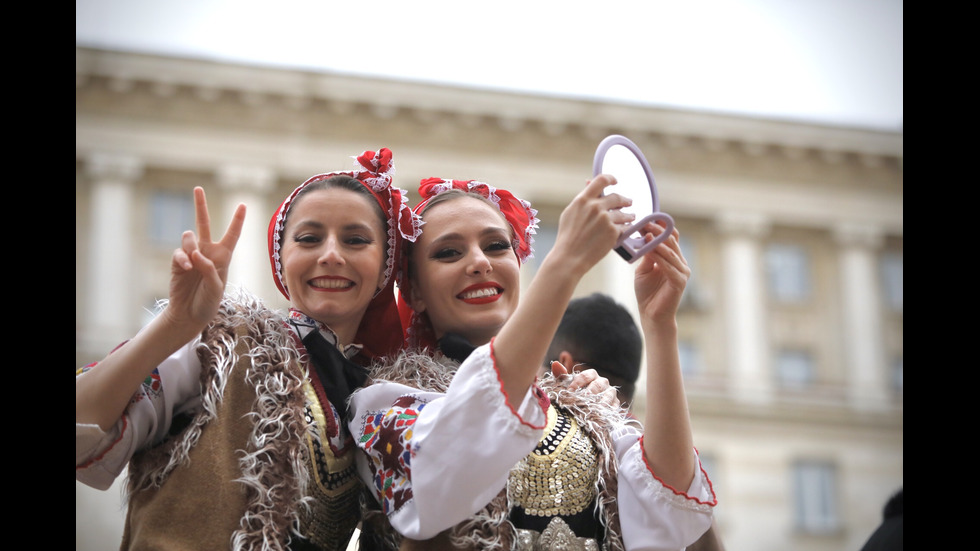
{"type": "Point", "coordinates": [558, 370]}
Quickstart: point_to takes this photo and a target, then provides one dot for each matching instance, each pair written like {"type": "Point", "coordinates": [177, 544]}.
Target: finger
{"type": "Point", "coordinates": [211, 282]}
{"type": "Point", "coordinates": [234, 231]}
{"type": "Point", "coordinates": [188, 242]}
{"type": "Point", "coordinates": [654, 229]}
{"type": "Point", "coordinates": [621, 217]}
{"type": "Point", "coordinates": [181, 261]}
{"type": "Point", "coordinates": [611, 397]}
{"type": "Point", "coordinates": [672, 243]}
{"type": "Point", "coordinates": [594, 187]}
{"type": "Point", "coordinates": [583, 378]}
{"type": "Point", "coordinates": [558, 370]}
{"type": "Point", "coordinates": [669, 251]}
{"type": "Point", "coordinates": [201, 261]}
{"type": "Point", "coordinates": [615, 201]}
{"type": "Point", "coordinates": [666, 261]}
{"type": "Point", "coordinates": [205, 267]}
{"type": "Point", "coordinates": [192, 249]}
{"type": "Point", "coordinates": [202, 216]}
{"type": "Point", "coordinates": [599, 385]}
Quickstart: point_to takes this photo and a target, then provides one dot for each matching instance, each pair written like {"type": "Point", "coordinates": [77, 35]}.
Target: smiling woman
{"type": "Point", "coordinates": [228, 415]}
{"type": "Point", "coordinates": [463, 450]}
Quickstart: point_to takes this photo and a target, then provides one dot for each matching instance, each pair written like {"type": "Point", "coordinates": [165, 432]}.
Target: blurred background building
{"type": "Point", "coordinates": [792, 326]}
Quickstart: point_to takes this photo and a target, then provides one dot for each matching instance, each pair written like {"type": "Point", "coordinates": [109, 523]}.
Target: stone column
{"type": "Point", "coordinates": [619, 285]}
{"type": "Point", "coordinates": [250, 185]}
{"type": "Point", "coordinates": [744, 303]}
{"type": "Point", "coordinates": [862, 324]}
{"type": "Point", "coordinates": [110, 298]}
{"type": "Point", "coordinates": [618, 275]}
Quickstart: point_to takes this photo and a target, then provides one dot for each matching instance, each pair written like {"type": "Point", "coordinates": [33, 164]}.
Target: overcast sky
{"type": "Point", "coordinates": [828, 61]}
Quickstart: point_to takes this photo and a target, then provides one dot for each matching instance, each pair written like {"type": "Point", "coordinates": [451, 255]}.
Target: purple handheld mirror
{"type": "Point", "coordinates": [620, 157]}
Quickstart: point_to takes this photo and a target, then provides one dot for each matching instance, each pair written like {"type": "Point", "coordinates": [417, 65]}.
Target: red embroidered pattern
{"type": "Point", "coordinates": [386, 438]}
{"type": "Point", "coordinates": [714, 498]}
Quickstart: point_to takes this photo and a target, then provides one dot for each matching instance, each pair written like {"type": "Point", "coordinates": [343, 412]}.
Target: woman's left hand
{"type": "Point", "coordinates": [661, 277]}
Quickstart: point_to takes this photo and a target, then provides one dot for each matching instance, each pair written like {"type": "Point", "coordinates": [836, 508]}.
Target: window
{"type": "Point", "coordinates": [794, 368]}
{"type": "Point", "coordinates": [891, 280]}
{"type": "Point", "coordinates": [788, 273]}
{"type": "Point", "coordinates": [171, 214]}
{"type": "Point", "coordinates": [815, 497]}
{"type": "Point", "coordinates": [692, 297]}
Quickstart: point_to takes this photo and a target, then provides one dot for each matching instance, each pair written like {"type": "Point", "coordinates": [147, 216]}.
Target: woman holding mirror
{"type": "Point", "coordinates": [462, 450]}
{"type": "Point", "coordinates": [228, 414]}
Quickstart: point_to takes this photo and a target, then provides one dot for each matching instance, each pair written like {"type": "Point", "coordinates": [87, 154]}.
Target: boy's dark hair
{"type": "Point", "coordinates": [602, 334]}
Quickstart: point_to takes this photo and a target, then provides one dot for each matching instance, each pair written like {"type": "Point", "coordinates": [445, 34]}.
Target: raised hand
{"type": "Point", "coordinates": [199, 269]}
{"type": "Point", "coordinates": [660, 277]}
{"type": "Point", "coordinates": [591, 224]}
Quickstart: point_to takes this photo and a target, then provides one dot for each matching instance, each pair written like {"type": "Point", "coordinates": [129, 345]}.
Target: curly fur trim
{"type": "Point", "coordinates": [416, 369]}
{"type": "Point", "coordinates": [274, 465]}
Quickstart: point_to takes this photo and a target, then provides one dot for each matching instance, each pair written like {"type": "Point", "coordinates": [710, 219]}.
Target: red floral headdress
{"type": "Point", "coordinates": [374, 170]}
{"type": "Point", "coordinates": [523, 221]}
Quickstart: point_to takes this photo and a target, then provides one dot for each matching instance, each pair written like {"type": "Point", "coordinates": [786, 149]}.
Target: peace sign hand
{"type": "Point", "coordinates": [199, 270]}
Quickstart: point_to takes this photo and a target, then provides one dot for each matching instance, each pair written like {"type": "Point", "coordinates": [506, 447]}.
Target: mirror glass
{"type": "Point", "coordinates": [631, 179]}
{"type": "Point", "coordinates": [620, 157]}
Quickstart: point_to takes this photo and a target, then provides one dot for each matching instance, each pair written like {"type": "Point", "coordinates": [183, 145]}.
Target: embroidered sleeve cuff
{"type": "Point", "coordinates": [654, 515]}
{"type": "Point", "coordinates": [533, 411]}
{"type": "Point", "coordinates": [100, 455]}
{"type": "Point", "coordinates": [700, 496]}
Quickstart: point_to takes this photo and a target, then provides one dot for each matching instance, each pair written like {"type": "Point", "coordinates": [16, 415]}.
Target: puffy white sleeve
{"type": "Point", "coordinates": [431, 459]}
{"type": "Point", "coordinates": [654, 516]}
{"type": "Point", "coordinates": [173, 388]}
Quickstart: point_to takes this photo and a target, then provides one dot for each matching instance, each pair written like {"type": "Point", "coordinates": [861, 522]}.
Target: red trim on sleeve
{"type": "Point", "coordinates": [543, 402]}
{"type": "Point", "coordinates": [107, 450]}
{"type": "Point", "coordinates": [714, 498]}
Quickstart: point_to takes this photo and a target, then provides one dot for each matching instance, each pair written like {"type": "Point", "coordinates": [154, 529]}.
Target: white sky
{"type": "Point", "coordinates": [827, 61]}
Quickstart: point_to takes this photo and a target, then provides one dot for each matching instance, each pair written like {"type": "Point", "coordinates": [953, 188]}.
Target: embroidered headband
{"type": "Point", "coordinates": [518, 212]}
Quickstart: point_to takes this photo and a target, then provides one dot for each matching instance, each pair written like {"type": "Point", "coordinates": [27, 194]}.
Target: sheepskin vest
{"type": "Point", "coordinates": [264, 464]}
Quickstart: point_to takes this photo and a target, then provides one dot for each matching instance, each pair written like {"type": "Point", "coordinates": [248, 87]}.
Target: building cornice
{"type": "Point", "coordinates": [469, 107]}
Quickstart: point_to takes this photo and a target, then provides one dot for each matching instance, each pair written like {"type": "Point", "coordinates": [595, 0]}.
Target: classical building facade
{"type": "Point", "coordinates": [791, 328]}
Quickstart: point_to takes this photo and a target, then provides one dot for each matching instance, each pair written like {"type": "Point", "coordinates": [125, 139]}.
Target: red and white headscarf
{"type": "Point", "coordinates": [374, 170]}
{"type": "Point", "coordinates": [523, 221]}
